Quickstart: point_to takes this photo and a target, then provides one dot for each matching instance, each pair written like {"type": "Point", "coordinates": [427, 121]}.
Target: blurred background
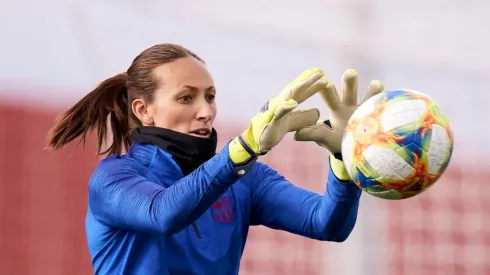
{"type": "Point", "coordinates": [53, 52]}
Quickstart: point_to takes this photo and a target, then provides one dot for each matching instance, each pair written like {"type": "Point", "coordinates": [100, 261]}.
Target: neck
{"type": "Point", "coordinates": [189, 152]}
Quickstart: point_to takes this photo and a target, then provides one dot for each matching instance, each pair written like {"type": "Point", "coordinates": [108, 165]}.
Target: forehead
{"type": "Point", "coordinates": [184, 71]}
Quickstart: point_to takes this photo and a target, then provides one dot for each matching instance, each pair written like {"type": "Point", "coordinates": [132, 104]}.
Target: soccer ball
{"type": "Point", "coordinates": [397, 144]}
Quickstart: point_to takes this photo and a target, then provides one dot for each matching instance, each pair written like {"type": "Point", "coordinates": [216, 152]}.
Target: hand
{"type": "Point", "coordinates": [328, 133]}
{"type": "Point", "coordinates": [276, 118]}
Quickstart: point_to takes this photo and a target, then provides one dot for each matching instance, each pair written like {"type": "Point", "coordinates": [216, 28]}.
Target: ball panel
{"type": "Point", "coordinates": [438, 115]}
{"type": "Point", "coordinates": [395, 96]}
{"type": "Point", "coordinates": [405, 134]}
{"type": "Point", "coordinates": [410, 152]}
{"type": "Point", "coordinates": [366, 169]}
{"type": "Point", "coordinates": [402, 113]}
{"type": "Point", "coordinates": [366, 108]}
{"type": "Point", "coordinates": [438, 149]}
{"type": "Point", "coordinates": [436, 138]}
{"type": "Point", "coordinates": [387, 163]}
{"type": "Point", "coordinates": [347, 152]}
{"type": "Point", "coordinates": [417, 181]}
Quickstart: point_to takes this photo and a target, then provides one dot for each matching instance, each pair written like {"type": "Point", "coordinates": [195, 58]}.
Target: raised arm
{"type": "Point", "coordinates": [279, 204]}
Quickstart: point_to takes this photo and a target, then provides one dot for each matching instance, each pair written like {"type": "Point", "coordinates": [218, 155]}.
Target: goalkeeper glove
{"type": "Point", "coordinates": [328, 133]}
{"type": "Point", "coordinates": [276, 119]}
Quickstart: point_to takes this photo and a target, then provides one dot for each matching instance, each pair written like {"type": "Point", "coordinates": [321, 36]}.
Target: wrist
{"type": "Point", "coordinates": [239, 151]}
{"type": "Point", "coordinates": [240, 154]}
{"type": "Point", "coordinates": [338, 167]}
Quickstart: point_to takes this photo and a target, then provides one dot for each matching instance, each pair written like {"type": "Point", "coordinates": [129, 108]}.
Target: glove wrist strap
{"type": "Point", "coordinates": [245, 146]}
{"type": "Point", "coordinates": [241, 155]}
{"type": "Point", "coordinates": [338, 168]}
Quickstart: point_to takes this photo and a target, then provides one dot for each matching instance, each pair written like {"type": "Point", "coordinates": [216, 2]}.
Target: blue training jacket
{"type": "Point", "coordinates": [145, 217]}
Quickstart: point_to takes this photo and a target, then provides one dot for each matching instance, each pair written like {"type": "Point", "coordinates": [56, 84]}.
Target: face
{"type": "Point", "coordinates": [184, 100]}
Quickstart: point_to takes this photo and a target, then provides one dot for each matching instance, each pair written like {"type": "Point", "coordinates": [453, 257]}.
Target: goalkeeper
{"type": "Point", "coordinates": [164, 202]}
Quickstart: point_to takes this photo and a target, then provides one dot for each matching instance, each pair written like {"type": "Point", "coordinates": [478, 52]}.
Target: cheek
{"type": "Point", "coordinates": [215, 110]}
{"type": "Point", "coordinates": [172, 116]}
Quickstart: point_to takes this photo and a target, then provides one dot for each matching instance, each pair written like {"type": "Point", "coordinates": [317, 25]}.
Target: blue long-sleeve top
{"type": "Point", "coordinates": [145, 217]}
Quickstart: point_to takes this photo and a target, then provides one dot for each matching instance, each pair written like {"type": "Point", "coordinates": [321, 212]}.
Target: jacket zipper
{"type": "Point", "coordinates": [198, 234]}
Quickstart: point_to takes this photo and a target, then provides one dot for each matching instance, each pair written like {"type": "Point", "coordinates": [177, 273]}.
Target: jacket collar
{"type": "Point", "coordinates": [162, 169]}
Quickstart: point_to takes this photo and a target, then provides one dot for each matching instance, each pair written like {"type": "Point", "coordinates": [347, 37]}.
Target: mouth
{"type": "Point", "coordinates": [201, 132]}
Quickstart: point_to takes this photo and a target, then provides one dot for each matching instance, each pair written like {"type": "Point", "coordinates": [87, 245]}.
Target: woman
{"type": "Point", "coordinates": [171, 204]}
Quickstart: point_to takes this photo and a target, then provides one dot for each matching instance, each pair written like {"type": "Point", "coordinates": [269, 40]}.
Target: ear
{"type": "Point", "coordinates": [143, 112]}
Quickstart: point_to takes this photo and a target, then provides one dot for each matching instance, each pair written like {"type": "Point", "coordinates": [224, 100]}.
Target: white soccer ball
{"type": "Point", "coordinates": [397, 144]}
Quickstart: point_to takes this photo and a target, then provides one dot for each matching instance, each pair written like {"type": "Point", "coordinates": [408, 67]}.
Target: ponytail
{"type": "Point", "coordinates": [91, 113]}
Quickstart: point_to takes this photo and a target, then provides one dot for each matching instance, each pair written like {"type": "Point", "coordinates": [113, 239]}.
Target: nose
{"type": "Point", "coordinates": [205, 112]}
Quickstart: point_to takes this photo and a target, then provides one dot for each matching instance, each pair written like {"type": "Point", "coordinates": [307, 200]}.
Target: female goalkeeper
{"type": "Point", "coordinates": [171, 204]}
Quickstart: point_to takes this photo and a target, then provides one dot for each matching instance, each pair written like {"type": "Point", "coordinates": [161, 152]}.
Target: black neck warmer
{"type": "Point", "coordinates": [188, 151]}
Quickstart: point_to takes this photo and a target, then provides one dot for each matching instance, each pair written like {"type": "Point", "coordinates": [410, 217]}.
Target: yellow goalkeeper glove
{"type": "Point", "coordinates": [276, 119]}
{"type": "Point", "coordinates": [328, 133]}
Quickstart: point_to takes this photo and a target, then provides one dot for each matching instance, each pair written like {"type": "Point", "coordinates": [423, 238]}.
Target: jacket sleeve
{"type": "Point", "coordinates": [278, 204]}
{"type": "Point", "coordinates": [120, 196]}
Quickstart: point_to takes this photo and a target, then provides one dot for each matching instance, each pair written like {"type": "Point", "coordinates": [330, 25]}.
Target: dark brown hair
{"type": "Point", "coordinates": [111, 102]}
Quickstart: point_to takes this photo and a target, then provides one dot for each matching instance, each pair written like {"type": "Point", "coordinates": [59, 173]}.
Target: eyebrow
{"type": "Point", "coordinates": [195, 89]}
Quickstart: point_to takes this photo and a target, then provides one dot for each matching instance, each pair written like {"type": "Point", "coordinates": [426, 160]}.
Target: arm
{"type": "Point", "coordinates": [120, 196]}
{"type": "Point", "coordinates": [281, 205]}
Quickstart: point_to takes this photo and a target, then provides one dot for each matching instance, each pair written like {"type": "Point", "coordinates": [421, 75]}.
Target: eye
{"type": "Point", "coordinates": [210, 97]}
{"type": "Point", "coordinates": [185, 99]}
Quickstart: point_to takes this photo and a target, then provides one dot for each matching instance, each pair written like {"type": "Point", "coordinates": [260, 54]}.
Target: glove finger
{"type": "Point", "coordinates": [317, 133]}
{"type": "Point", "coordinates": [349, 87]}
{"type": "Point", "coordinates": [295, 89]}
{"type": "Point", "coordinates": [330, 96]}
{"type": "Point", "coordinates": [312, 89]}
{"type": "Point", "coordinates": [299, 119]}
{"type": "Point", "coordinates": [374, 88]}
{"type": "Point", "coordinates": [285, 107]}
{"type": "Point", "coordinates": [307, 74]}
